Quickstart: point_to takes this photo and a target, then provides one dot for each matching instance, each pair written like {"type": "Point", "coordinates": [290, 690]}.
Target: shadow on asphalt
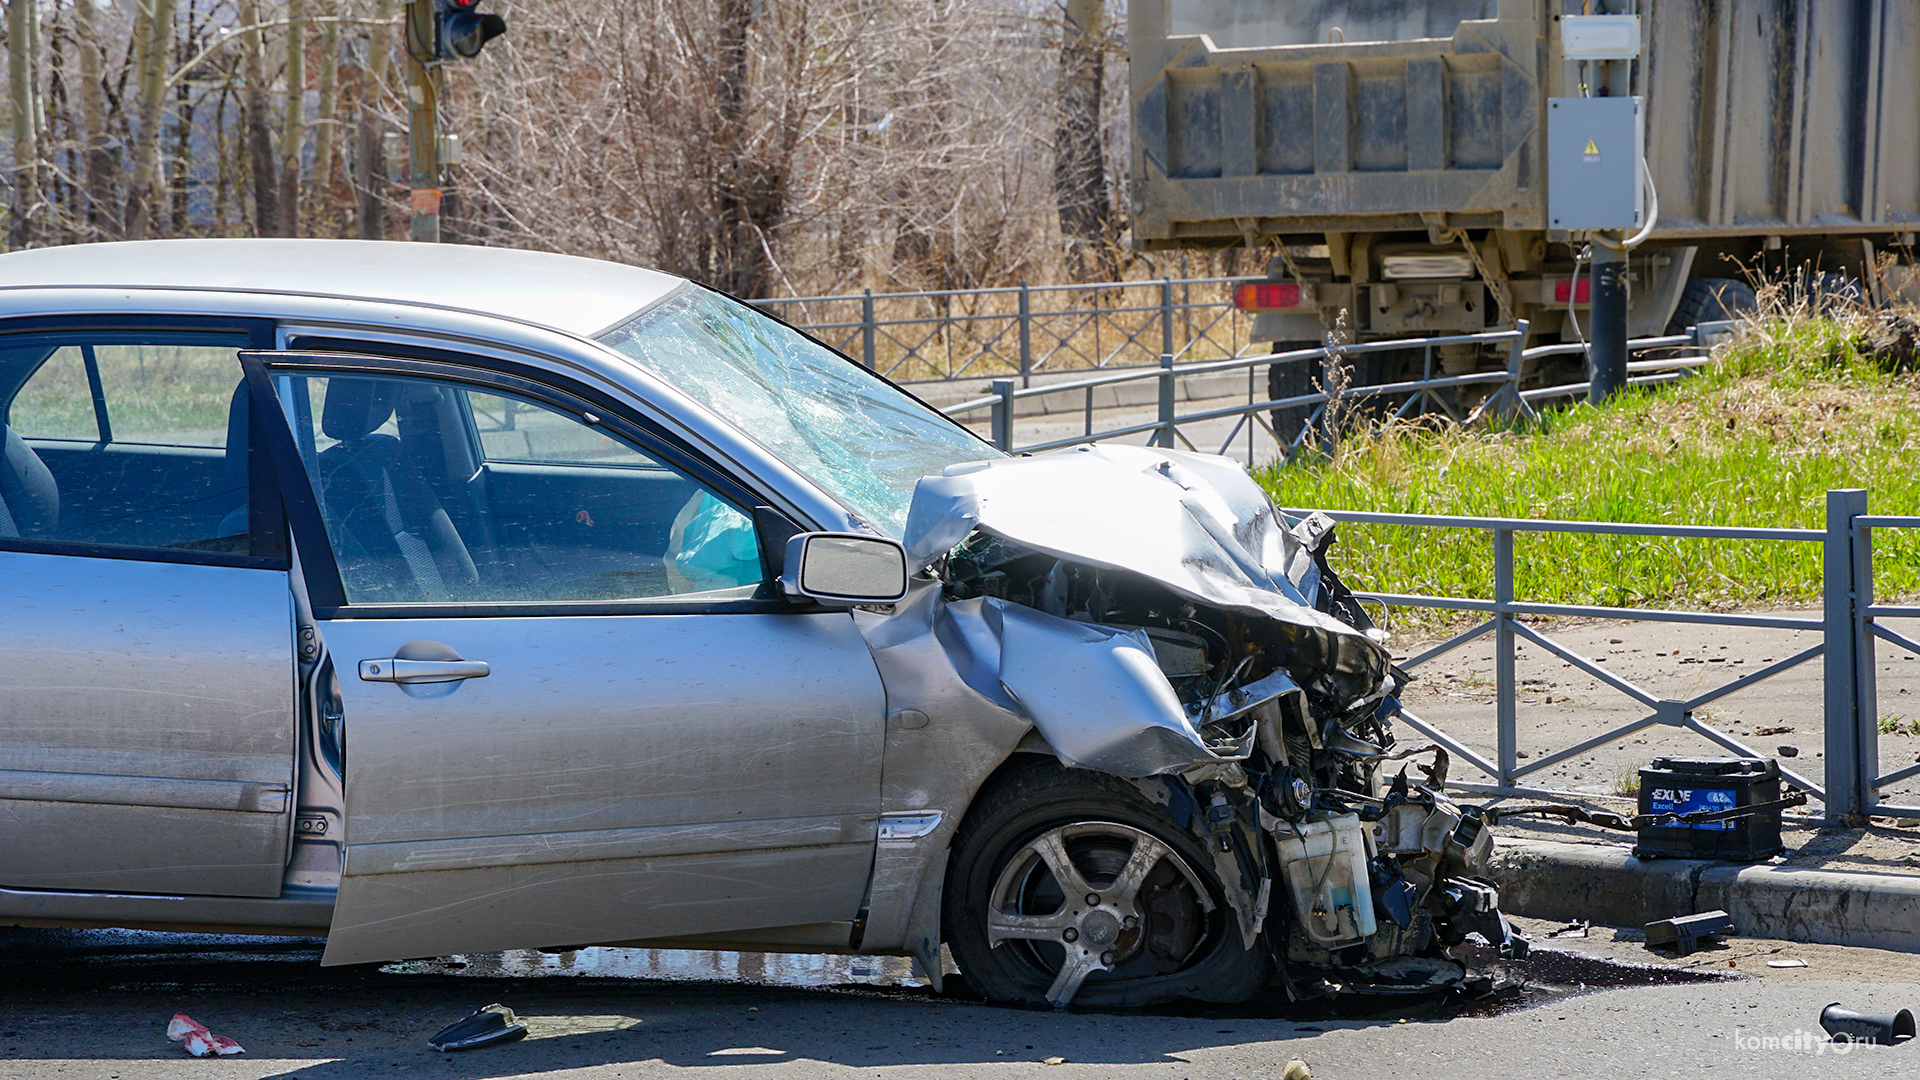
{"type": "Point", "coordinates": [108, 994]}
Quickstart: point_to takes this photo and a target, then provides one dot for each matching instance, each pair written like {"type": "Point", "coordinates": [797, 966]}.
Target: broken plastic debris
{"type": "Point", "coordinates": [197, 1040]}
{"type": "Point", "coordinates": [1295, 1069]}
{"type": "Point", "coordinates": [1053, 1061]}
{"type": "Point", "coordinates": [1685, 933]}
{"type": "Point", "coordinates": [485, 1027]}
{"type": "Point", "coordinates": [1786, 963]}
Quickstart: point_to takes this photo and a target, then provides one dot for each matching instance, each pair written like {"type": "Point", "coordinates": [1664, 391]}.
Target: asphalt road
{"type": "Point", "coordinates": [95, 1005]}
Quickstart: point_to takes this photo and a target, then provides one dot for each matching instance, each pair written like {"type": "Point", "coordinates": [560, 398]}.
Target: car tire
{"type": "Point", "coordinates": [1182, 941]}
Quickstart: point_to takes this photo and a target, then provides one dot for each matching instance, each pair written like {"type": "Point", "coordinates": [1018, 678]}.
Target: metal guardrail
{"type": "Point", "coordinates": [1850, 621]}
{"type": "Point", "coordinates": [1867, 622]}
{"type": "Point", "coordinates": [1506, 393]}
{"type": "Point", "coordinates": [1024, 329]}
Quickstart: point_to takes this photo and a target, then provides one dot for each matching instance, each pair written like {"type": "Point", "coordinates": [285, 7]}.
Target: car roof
{"type": "Point", "coordinates": [562, 292]}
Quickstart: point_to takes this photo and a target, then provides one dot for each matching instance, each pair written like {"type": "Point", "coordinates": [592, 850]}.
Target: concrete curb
{"type": "Point", "coordinates": [1543, 879]}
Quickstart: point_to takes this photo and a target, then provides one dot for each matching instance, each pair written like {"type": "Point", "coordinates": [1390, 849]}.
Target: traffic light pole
{"type": "Point", "coordinates": [423, 129]}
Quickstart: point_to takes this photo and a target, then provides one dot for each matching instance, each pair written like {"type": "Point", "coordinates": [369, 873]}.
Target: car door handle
{"type": "Point", "coordinates": [396, 670]}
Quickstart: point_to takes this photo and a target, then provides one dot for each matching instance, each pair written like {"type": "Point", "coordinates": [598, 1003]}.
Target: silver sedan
{"type": "Point", "coordinates": [444, 599]}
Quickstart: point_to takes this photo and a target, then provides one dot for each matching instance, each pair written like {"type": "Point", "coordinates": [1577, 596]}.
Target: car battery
{"type": "Point", "coordinates": [1687, 785]}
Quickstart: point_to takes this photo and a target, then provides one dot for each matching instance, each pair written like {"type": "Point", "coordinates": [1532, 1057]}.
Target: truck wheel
{"type": "Point", "coordinates": [1711, 300]}
{"type": "Point", "coordinates": [1071, 886]}
{"type": "Point", "coordinates": [1292, 378]}
{"type": "Point", "coordinates": [1826, 292]}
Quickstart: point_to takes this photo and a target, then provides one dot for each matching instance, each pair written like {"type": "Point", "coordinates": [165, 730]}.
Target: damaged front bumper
{"type": "Point", "coordinates": [1199, 641]}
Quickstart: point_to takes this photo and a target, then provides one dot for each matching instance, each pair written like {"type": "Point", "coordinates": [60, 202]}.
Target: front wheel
{"type": "Point", "coordinates": [1072, 886]}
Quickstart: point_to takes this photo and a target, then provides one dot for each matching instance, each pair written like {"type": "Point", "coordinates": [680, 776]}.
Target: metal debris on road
{"type": "Point", "coordinates": [1884, 1029]}
{"type": "Point", "coordinates": [1684, 933]}
{"type": "Point", "coordinates": [1574, 929]}
{"type": "Point", "coordinates": [484, 1027]}
{"type": "Point", "coordinates": [197, 1040]}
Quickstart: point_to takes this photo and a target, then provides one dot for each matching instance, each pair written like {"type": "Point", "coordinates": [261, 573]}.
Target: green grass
{"type": "Point", "coordinates": [1756, 439]}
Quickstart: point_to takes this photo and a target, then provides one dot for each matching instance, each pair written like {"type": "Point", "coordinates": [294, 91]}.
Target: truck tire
{"type": "Point", "coordinates": [1178, 938]}
{"type": "Point", "coordinates": [1711, 300]}
{"type": "Point", "coordinates": [1826, 292]}
{"type": "Point", "coordinates": [1292, 379]}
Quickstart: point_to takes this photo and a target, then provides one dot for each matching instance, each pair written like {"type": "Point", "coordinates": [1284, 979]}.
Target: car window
{"type": "Point", "coordinates": [125, 439]}
{"type": "Point", "coordinates": [856, 435]}
{"type": "Point", "coordinates": [511, 431]}
{"type": "Point", "coordinates": [162, 394]}
{"type": "Point", "coordinates": [433, 492]}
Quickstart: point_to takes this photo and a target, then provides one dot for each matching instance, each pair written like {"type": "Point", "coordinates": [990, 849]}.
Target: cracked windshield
{"type": "Point", "coordinates": [863, 440]}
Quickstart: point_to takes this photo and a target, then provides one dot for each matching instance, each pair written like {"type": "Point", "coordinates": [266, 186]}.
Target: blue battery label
{"type": "Point", "coordinates": [1691, 801]}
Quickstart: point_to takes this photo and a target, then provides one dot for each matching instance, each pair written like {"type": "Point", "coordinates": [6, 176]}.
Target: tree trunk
{"type": "Point", "coordinates": [293, 130]}
{"type": "Point", "coordinates": [1079, 162]}
{"type": "Point", "coordinates": [260, 155]}
{"type": "Point", "coordinates": [101, 220]}
{"type": "Point", "coordinates": [741, 268]}
{"type": "Point", "coordinates": [370, 164]}
{"type": "Point", "coordinates": [153, 30]}
{"type": "Point", "coordinates": [327, 118]}
{"type": "Point", "coordinates": [22, 17]}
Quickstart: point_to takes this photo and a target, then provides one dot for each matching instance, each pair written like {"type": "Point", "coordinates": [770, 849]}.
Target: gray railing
{"type": "Point", "coordinates": [1849, 622]}
{"type": "Point", "coordinates": [1505, 390]}
{"type": "Point", "coordinates": [1867, 621]}
{"type": "Point", "coordinates": [1023, 330]}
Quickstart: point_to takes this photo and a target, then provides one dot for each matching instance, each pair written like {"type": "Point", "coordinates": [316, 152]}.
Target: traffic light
{"type": "Point", "coordinates": [460, 32]}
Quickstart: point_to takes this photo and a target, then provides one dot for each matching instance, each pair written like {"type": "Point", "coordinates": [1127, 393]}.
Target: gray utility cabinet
{"type": "Point", "coordinates": [1781, 135]}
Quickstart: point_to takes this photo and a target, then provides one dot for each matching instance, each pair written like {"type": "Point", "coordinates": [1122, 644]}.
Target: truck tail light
{"type": "Point", "coordinates": [1263, 296]}
{"type": "Point", "coordinates": [1582, 292]}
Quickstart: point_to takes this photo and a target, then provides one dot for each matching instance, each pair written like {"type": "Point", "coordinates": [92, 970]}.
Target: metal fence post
{"type": "Point", "coordinates": [1003, 415]}
{"type": "Point", "coordinates": [1843, 713]}
{"type": "Point", "coordinates": [1505, 693]}
{"type": "Point", "coordinates": [1164, 437]}
{"type": "Point", "coordinates": [1166, 318]}
{"type": "Point", "coordinates": [1866, 690]}
{"type": "Point", "coordinates": [1516, 358]}
{"type": "Point", "coordinates": [866, 331]}
{"type": "Point", "coordinates": [1026, 335]}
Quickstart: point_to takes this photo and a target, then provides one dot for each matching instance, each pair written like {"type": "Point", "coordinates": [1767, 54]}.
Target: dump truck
{"type": "Point", "coordinates": [1395, 156]}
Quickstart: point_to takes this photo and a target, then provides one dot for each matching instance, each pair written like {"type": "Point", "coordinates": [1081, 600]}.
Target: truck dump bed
{"type": "Point", "coordinates": [1774, 117]}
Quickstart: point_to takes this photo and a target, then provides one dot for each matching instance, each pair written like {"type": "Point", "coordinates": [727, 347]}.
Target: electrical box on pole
{"type": "Point", "coordinates": [1595, 147]}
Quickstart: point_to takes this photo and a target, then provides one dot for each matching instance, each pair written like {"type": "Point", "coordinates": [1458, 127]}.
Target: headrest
{"type": "Point", "coordinates": [356, 408]}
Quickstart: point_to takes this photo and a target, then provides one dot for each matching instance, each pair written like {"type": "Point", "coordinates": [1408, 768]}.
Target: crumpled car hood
{"type": "Point", "coordinates": [1195, 524]}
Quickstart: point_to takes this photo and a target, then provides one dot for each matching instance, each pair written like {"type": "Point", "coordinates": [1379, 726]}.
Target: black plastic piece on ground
{"type": "Point", "coordinates": [1684, 784]}
{"type": "Point", "coordinates": [485, 1027]}
{"type": "Point", "coordinates": [1684, 933]}
{"type": "Point", "coordinates": [1885, 1029]}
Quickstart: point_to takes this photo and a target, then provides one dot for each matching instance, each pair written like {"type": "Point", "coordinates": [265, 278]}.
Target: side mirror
{"type": "Point", "coordinates": [845, 569]}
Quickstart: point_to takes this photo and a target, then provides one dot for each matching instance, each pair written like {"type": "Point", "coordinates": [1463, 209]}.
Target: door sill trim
{"type": "Point", "coordinates": [304, 911]}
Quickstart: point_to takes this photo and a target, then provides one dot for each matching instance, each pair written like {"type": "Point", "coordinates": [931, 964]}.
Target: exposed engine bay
{"type": "Point", "coordinates": [1230, 665]}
